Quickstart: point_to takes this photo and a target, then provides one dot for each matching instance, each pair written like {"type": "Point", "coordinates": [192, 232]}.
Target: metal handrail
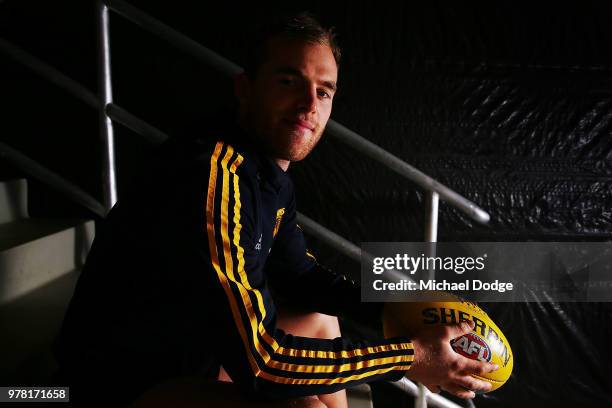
{"type": "Point", "coordinates": [114, 111]}
{"type": "Point", "coordinates": [431, 399]}
{"type": "Point", "coordinates": [354, 140]}
{"type": "Point", "coordinates": [139, 126]}
{"type": "Point", "coordinates": [174, 37]}
{"type": "Point", "coordinates": [404, 169]}
{"type": "Point", "coordinates": [50, 178]}
{"type": "Point", "coordinates": [48, 72]}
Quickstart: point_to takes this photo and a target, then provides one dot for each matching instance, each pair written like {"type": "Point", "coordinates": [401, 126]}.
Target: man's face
{"type": "Point", "coordinates": [288, 103]}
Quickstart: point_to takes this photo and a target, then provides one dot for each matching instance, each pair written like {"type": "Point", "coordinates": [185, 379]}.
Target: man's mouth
{"type": "Point", "coordinates": [299, 124]}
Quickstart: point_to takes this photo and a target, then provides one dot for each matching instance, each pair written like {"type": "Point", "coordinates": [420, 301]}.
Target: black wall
{"type": "Point", "coordinates": [509, 104]}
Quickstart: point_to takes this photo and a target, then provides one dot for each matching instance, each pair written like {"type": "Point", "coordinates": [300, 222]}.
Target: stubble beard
{"type": "Point", "coordinates": [300, 151]}
{"type": "Point", "coordinates": [279, 144]}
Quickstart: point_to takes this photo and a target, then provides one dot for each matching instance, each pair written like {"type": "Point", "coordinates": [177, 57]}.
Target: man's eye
{"type": "Point", "coordinates": [323, 94]}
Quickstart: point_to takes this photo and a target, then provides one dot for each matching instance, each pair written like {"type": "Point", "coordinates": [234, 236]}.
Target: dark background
{"type": "Point", "coordinates": [509, 104]}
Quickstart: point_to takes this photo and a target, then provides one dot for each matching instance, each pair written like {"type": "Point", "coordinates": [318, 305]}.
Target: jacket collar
{"type": "Point", "coordinates": [264, 166]}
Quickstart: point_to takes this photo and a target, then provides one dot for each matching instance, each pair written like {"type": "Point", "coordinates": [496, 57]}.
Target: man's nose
{"type": "Point", "coordinates": [308, 100]}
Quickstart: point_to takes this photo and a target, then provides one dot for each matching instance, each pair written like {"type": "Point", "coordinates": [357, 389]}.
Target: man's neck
{"type": "Point", "coordinates": [283, 164]}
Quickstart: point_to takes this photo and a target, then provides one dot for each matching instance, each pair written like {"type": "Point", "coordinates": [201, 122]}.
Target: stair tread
{"type": "Point", "coordinates": [22, 231]}
{"type": "Point", "coordinates": [29, 326]}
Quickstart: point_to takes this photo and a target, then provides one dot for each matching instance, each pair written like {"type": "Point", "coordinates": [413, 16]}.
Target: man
{"type": "Point", "coordinates": [178, 281]}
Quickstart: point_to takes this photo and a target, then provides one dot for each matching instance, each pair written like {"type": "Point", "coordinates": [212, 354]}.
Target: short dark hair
{"type": "Point", "coordinates": [301, 26]}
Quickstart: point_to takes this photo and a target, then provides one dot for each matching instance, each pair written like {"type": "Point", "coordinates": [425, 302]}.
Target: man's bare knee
{"type": "Point", "coordinates": [329, 327]}
{"type": "Point", "coordinates": [309, 324]}
{"type": "Point", "coordinates": [306, 402]}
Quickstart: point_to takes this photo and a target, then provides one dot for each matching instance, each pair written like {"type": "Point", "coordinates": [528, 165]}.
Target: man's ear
{"type": "Point", "coordinates": [242, 89]}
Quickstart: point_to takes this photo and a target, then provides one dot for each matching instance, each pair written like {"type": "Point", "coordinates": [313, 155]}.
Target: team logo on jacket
{"type": "Point", "coordinates": [472, 346]}
{"type": "Point", "coordinates": [279, 218]}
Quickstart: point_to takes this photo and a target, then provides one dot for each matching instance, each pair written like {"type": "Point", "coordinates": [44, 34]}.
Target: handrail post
{"type": "Point", "coordinates": [432, 201]}
{"type": "Point", "coordinates": [105, 91]}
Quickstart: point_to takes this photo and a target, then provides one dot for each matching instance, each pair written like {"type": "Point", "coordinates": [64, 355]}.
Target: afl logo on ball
{"type": "Point", "coordinates": [472, 346]}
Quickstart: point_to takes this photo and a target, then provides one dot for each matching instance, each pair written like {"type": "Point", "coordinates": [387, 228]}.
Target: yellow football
{"type": "Point", "coordinates": [485, 343]}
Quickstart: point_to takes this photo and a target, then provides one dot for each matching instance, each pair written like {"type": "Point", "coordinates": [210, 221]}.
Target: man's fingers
{"type": "Point", "coordinates": [458, 330]}
{"type": "Point", "coordinates": [471, 383]}
{"type": "Point", "coordinates": [478, 367]}
{"type": "Point", "coordinates": [459, 391]}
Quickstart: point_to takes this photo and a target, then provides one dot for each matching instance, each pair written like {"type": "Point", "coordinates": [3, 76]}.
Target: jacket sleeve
{"type": "Point", "coordinates": [259, 357]}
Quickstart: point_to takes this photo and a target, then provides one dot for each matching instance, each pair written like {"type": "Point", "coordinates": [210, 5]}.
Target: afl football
{"type": "Point", "coordinates": [485, 342]}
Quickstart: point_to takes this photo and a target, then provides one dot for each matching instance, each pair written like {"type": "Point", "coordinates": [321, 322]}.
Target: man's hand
{"type": "Point", "coordinates": [438, 366]}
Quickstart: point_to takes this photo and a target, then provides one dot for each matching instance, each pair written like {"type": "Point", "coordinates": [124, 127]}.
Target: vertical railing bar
{"type": "Point", "coordinates": [432, 200]}
{"type": "Point", "coordinates": [421, 399]}
{"type": "Point", "coordinates": [432, 205]}
{"type": "Point", "coordinates": [106, 96]}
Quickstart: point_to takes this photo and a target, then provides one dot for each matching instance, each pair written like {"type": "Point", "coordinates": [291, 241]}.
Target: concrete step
{"type": "Point", "coordinates": [35, 252]}
{"type": "Point", "coordinates": [29, 324]}
{"type": "Point", "coordinates": [13, 200]}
